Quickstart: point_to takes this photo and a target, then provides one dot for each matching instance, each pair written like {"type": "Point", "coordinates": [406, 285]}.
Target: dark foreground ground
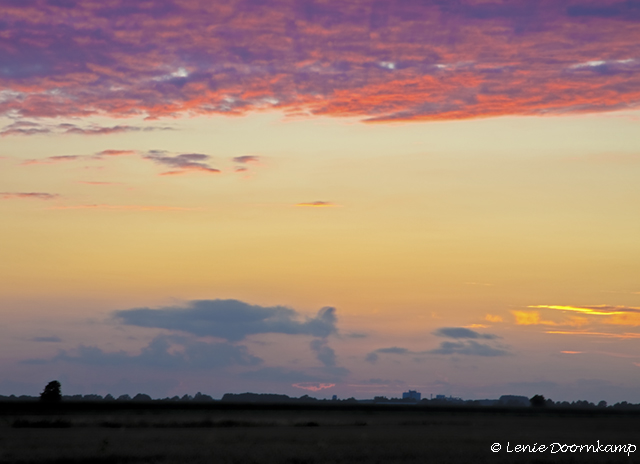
{"type": "Point", "coordinates": [301, 435]}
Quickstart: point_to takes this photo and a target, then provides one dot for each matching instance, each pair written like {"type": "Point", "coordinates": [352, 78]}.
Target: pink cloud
{"type": "Point", "coordinates": [378, 61]}
{"type": "Point", "coordinates": [52, 160]}
{"type": "Point", "coordinates": [63, 158]}
{"type": "Point", "coordinates": [246, 159]}
{"type": "Point", "coordinates": [115, 152]}
{"type": "Point", "coordinates": [314, 386]}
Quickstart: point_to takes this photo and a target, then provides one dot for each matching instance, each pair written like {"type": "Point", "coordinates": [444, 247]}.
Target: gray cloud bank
{"type": "Point", "coordinates": [165, 352]}
{"type": "Point", "coordinates": [232, 320]}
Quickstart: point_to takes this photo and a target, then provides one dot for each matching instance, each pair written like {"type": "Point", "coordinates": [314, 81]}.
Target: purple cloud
{"type": "Point", "coordinates": [379, 61]}
{"type": "Point", "coordinates": [28, 195]}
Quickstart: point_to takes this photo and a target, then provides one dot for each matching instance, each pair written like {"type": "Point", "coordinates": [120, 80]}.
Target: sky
{"type": "Point", "coordinates": [350, 198]}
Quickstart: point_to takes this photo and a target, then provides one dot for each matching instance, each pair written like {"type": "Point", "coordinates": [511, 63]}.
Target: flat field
{"type": "Point", "coordinates": [313, 435]}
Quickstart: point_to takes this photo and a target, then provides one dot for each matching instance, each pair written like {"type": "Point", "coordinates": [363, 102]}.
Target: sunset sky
{"type": "Point", "coordinates": [353, 197]}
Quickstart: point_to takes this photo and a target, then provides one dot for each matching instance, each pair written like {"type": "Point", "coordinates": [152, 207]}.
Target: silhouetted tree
{"type": "Point", "coordinates": [51, 393]}
{"type": "Point", "coordinates": [538, 401]}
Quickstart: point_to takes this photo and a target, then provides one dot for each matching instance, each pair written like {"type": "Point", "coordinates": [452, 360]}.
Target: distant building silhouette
{"type": "Point", "coordinates": [411, 395]}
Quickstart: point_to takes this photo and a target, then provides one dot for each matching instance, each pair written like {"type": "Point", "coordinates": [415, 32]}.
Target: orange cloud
{"type": "Point", "coordinates": [492, 318]}
{"type": "Point", "coordinates": [530, 318]}
{"type": "Point", "coordinates": [623, 319]}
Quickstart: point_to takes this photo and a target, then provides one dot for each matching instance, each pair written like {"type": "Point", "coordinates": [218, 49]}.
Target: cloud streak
{"type": "Point", "coordinates": [181, 164]}
{"type": "Point", "coordinates": [378, 61]}
{"type": "Point", "coordinates": [28, 195]}
{"type": "Point", "coordinates": [32, 128]}
{"type": "Point", "coordinates": [126, 207]}
{"type": "Point", "coordinates": [462, 332]}
{"type": "Point", "coordinates": [317, 204]}
{"type": "Point", "coordinates": [595, 310]}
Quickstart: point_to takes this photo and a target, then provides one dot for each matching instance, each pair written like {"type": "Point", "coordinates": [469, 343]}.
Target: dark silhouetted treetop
{"type": "Point", "coordinates": [538, 401]}
{"type": "Point", "coordinates": [51, 393]}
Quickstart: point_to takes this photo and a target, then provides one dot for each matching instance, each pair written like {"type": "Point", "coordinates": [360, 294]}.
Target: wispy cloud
{"type": "Point", "coordinates": [115, 153]}
{"type": "Point", "coordinates": [462, 332]}
{"type": "Point", "coordinates": [469, 348]}
{"type": "Point", "coordinates": [465, 344]}
{"type": "Point", "coordinates": [314, 386]}
{"type": "Point", "coordinates": [595, 310]}
{"type": "Point", "coordinates": [52, 159]}
{"type": "Point", "coordinates": [92, 182]}
{"type": "Point", "coordinates": [101, 155]}
{"type": "Point", "coordinates": [317, 204]}
{"type": "Point", "coordinates": [604, 314]}
{"type": "Point", "coordinates": [127, 207]}
{"type": "Point", "coordinates": [535, 318]}
{"type": "Point", "coordinates": [51, 339]}
{"type": "Point", "coordinates": [246, 159]}
{"type": "Point", "coordinates": [627, 335]}
{"type": "Point", "coordinates": [530, 318]}
{"type": "Point", "coordinates": [37, 128]}
{"type": "Point", "coordinates": [179, 163]}
{"type": "Point", "coordinates": [182, 164]}
{"type": "Point", "coordinates": [29, 195]}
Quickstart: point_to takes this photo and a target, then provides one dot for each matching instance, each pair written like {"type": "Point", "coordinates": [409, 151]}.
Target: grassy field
{"type": "Point", "coordinates": [306, 436]}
